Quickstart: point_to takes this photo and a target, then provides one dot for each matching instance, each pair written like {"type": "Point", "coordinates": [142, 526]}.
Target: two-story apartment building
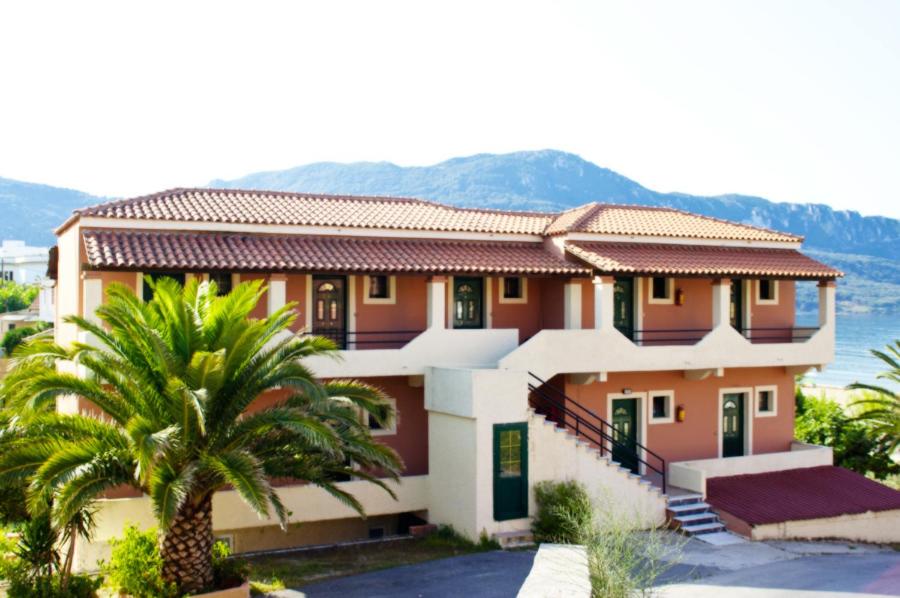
{"type": "Point", "coordinates": [638, 350]}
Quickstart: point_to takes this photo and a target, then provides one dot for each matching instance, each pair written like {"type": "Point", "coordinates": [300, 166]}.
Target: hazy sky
{"type": "Point", "coordinates": [791, 100]}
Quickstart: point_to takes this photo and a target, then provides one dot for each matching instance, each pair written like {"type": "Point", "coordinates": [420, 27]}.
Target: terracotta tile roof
{"type": "Point", "coordinates": [276, 207]}
{"type": "Point", "coordinates": [798, 494]}
{"type": "Point", "coordinates": [120, 249]}
{"type": "Point", "coordinates": [698, 260]}
{"type": "Point", "coordinates": [657, 222]}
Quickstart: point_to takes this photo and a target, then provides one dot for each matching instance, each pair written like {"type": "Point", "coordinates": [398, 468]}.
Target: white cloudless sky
{"type": "Point", "coordinates": [794, 101]}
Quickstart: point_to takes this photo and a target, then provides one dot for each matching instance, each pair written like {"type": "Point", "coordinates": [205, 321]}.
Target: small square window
{"type": "Point", "coordinates": [512, 288]}
{"type": "Point", "coordinates": [378, 287]}
{"type": "Point", "coordinates": [766, 401]}
{"type": "Point", "coordinates": [661, 290]}
{"type": "Point", "coordinates": [379, 430]}
{"type": "Point", "coordinates": [768, 290]}
{"type": "Point", "coordinates": [222, 280]}
{"type": "Point", "coordinates": [661, 410]}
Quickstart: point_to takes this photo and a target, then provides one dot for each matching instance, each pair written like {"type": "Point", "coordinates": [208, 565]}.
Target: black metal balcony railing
{"type": "Point", "coordinates": [369, 339]}
{"type": "Point", "coordinates": [779, 335]}
{"type": "Point", "coordinates": [682, 336]}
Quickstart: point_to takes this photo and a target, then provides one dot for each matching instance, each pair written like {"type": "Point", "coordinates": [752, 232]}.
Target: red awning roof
{"type": "Point", "coordinates": [798, 494]}
{"type": "Point", "coordinates": [698, 260]}
{"type": "Point", "coordinates": [134, 250]}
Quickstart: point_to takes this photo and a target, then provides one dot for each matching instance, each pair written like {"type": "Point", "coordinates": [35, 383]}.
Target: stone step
{"type": "Point", "coordinates": [688, 508]}
{"type": "Point", "coordinates": [723, 538]}
{"type": "Point", "coordinates": [684, 498]}
{"type": "Point", "coordinates": [514, 539]}
{"type": "Point", "coordinates": [702, 528]}
{"type": "Point", "coordinates": [696, 518]}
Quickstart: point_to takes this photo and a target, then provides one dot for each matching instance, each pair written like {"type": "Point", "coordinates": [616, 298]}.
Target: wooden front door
{"type": "Point", "coordinates": [624, 421]}
{"type": "Point", "coordinates": [468, 302]}
{"type": "Point", "coordinates": [330, 308]}
{"type": "Point", "coordinates": [733, 425]}
{"type": "Point", "coordinates": [737, 304]}
{"type": "Point", "coordinates": [510, 471]}
{"type": "Point", "coordinates": [623, 306]}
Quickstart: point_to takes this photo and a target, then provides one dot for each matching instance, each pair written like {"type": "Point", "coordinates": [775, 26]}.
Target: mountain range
{"type": "Point", "coordinates": [863, 246]}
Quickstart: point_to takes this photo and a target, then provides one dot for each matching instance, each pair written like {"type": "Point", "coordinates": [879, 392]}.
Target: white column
{"type": "Point", "coordinates": [572, 304]}
{"type": "Point", "coordinates": [276, 295]}
{"type": "Point", "coordinates": [603, 302]}
{"type": "Point", "coordinates": [721, 302]}
{"type": "Point", "coordinates": [827, 290]}
{"type": "Point", "coordinates": [437, 302]}
{"type": "Point", "coordinates": [92, 295]}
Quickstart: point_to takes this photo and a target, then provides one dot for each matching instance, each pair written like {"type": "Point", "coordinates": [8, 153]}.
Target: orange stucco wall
{"type": "Point", "coordinates": [526, 316]}
{"type": "Point", "coordinates": [697, 436]}
{"type": "Point", "coordinates": [407, 313]}
{"type": "Point", "coordinates": [552, 303]}
{"type": "Point", "coordinates": [780, 315]}
{"type": "Point", "coordinates": [295, 291]}
{"type": "Point", "coordinates": [695, 313]}
{"type": "Point", "coordinates": [262, 308]}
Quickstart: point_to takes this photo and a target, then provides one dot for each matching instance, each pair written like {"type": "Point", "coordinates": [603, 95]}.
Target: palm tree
{"type": "Point", "coordinates": [881, 409]}
{"type": "Point", "coordinates": [176, 379]}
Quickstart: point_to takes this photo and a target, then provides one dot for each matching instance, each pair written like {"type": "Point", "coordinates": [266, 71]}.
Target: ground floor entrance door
{"type": "Point", "coordinates": [510, 471]}
{"type": "Point", "coordinates": [330, 308]}
{"type": "Point", "coordinates": [733, 425]}
{"type": "Point", "coordinates": [624, 421]}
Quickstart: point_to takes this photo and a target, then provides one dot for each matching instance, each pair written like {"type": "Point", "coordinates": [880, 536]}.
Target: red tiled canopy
{"type": "Point", "coordinates": [798, 494]}
{"type": "Point", "coordinates": [699, 260]}
{"type": "Point", "coordinates": [134, 250]}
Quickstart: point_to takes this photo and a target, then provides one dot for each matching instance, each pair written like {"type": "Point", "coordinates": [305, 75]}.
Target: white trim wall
{"type": "Point", "coordinates": [501, 287]}
{"type": "Point", "coordinates": [391, 299]}
{"type": "Point", "coordinates": [670, 291]}
{"type": "Point", "coordinates": [670, 416]}
{"type": "Point", "coordinates": [773, 411]}
{"type": "Point", "coordinates": [756, 290]}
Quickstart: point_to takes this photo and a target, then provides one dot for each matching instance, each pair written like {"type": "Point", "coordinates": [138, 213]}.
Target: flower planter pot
{"type": "Point", "coordinates": [242, 591]}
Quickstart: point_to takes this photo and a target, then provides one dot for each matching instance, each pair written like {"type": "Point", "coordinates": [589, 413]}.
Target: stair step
{"type": "Point", "coordinates": [687, 508]}
{"type": "Point", "coordinates": [701, 528]}
{"type": "Point", "coordinates": [696, 518]}
{"type": "Point", "coordinates": [515, 539]}
{"type": "Point", "coordinates": [684, 498]}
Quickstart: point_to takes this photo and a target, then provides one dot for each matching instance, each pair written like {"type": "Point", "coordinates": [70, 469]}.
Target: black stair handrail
{"type": "Point", "coordinates": [581, 424]}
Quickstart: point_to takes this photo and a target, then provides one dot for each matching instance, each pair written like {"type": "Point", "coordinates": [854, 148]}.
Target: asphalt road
{"type": "Point", "coordinates": [488, 574]}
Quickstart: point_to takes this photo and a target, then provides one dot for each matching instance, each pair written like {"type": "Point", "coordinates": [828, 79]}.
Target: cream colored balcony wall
{"type": "Point", "coordinates": [881, 527]}
{"type": "Point", "coordinates": [305, 503]}
{"type": "Point", "coordinates": [551, 352]}
{"type": "Point", "coordinates": [68, 286]}
{"type": "Point", "coordinates": [434, 347]}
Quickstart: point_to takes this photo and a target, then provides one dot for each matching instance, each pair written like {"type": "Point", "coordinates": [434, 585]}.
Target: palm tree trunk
{"type": "Point", "coordinates": [187, 547]}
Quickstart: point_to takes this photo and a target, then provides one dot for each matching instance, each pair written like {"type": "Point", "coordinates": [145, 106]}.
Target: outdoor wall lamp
{"type": "Point", "coordinates": [679, 413]}
{"type": "Point", "coordinates": [626, 391]}
{"type": "Point", "coordinates": [679, 297]}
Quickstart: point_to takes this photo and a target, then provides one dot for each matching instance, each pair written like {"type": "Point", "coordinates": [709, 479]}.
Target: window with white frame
{"type": "Point", "coordinates": [387, 428]}
{"type": "Point", "coordinates": [766, 291]}
{"type": "Point", "coordinates": [662, 408]}
{"type": "Point", "coordinates": [766, 401]}
{"type": "Point", "coordinates": [380, 288]}
{"type": "Point", "coordinates": [661, 290]}
{"type": "Point", "coordinates": [513, 289]}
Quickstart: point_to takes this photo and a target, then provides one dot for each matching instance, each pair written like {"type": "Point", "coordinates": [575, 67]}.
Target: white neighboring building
{"type": "Point", "coordinates": [21, 263]}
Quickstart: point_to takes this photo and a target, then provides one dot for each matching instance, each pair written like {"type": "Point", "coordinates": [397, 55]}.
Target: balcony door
{"type": "Point", "coordinates": [623, 306]}
{"type": "Point", "coordinates": [330, 308]}
{"type": "Point", "coordinates": [468, 302]}
{"type": "Point", "coordinates": [737, 304]}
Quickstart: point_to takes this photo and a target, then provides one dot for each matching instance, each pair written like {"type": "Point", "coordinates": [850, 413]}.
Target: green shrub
{"type": "Point", "coordinates": [855, 446]}
{"type": "Point", "coordinates": [564, 512]}
{"type": "Point", "coordinates": [228, 572]}
{"type": "Point", "coordinates": [445, 536]}
{"type": "Point", "coordinates": [78, 586]}
{"type": "Point", "coordinates": [13, 338]}
{"type": "Point", "coordinates": [135, 566]}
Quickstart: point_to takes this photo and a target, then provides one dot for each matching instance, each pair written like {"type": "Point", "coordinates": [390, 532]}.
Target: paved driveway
{"type": "Point", "coordinates": [487, 574]}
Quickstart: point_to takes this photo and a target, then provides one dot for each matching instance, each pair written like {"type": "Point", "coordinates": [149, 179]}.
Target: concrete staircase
{"type": "Point", "coordinates": [690, 515]}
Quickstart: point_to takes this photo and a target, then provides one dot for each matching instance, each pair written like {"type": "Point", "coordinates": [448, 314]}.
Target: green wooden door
{"type": "Point", "coordinates": [510, 471]}
{"type": "Point", "coordinates": [624, 421]}
{"type": "Point", "coordinates": [623, 306]}
{"type": "Point", "coordinates": [468, 298]}
{"type": "Point", "coordinates": [737, 304]}
{"type": "Point", "coordinates": [733, 425]}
